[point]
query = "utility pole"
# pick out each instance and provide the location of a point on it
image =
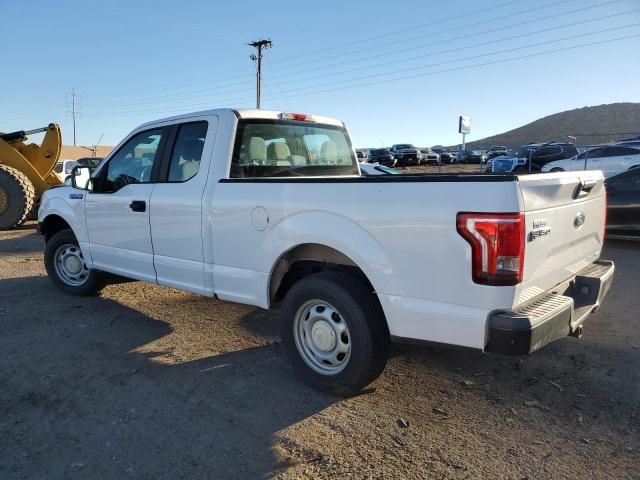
(74, 110)
(260, 45)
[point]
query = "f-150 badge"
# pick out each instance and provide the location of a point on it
(540, 229)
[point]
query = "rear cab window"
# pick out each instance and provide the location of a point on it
(290, 148)
(187, 151)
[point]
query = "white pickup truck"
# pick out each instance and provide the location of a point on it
(269, 209)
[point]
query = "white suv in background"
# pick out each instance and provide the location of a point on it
(611, 159)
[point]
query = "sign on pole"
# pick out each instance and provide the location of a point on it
(464, 124)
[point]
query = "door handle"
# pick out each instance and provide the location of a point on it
(138, 206)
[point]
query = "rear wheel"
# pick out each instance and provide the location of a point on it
(334, 332)
(16, 197)
(557, 169)
(67, 268)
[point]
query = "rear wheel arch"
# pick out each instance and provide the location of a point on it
(307, 259)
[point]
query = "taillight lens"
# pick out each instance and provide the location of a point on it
(497, 246)
(606, 209)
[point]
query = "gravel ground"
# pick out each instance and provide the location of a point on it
(149, 382)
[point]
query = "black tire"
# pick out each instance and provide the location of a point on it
(16, 197)
(557, 169)
(95, 279)
(368, 333)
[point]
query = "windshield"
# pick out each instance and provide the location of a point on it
(279, 148)
(403, 146)
(381, 151)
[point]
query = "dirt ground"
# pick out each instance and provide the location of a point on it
(148, 382)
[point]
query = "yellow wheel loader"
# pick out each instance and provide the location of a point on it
(26, 172)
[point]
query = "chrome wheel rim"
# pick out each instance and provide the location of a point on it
(322, 337)
(69, 265)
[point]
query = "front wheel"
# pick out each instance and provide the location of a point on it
(334, 332)
(66, 267)
(557, 169)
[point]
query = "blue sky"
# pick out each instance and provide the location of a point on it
(395, 72)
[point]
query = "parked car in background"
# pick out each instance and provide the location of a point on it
(496, 151)
(429, 156)
(63, 168)
(383, 156)
(517, 159)
(629, 142)
(406, 154)
(611, 159)
(368, 169)
(623, 206)
(470, 156)
(361, 155)
(445, 155)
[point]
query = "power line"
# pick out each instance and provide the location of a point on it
(398, 32)
(233, 86)
(474, 35)
(377, 65)
(220, 91)
(419, 75)
(275, 76)
(73, 102)
(447, 30)
(554, 4)
(472, 57)
(466, 67)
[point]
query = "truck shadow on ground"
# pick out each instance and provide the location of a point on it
(80, 396)
(92, 388)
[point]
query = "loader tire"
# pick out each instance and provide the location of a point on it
(16, 197)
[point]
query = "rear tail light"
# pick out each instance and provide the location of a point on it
(497, 246)
(606, 208)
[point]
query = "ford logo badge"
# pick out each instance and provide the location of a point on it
(579, 220)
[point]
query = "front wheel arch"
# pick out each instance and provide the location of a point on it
(53, 224)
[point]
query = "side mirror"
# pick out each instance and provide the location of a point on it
(81, 177)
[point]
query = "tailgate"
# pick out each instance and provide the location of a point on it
(565, 217)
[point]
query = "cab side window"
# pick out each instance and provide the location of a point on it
(133, 163)
(187, 152)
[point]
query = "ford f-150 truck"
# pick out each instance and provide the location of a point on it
(269, 209)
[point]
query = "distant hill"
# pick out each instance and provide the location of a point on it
(590, 125)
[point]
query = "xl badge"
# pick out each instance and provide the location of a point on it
(579, 220)
(76, 196)
(540, 229)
